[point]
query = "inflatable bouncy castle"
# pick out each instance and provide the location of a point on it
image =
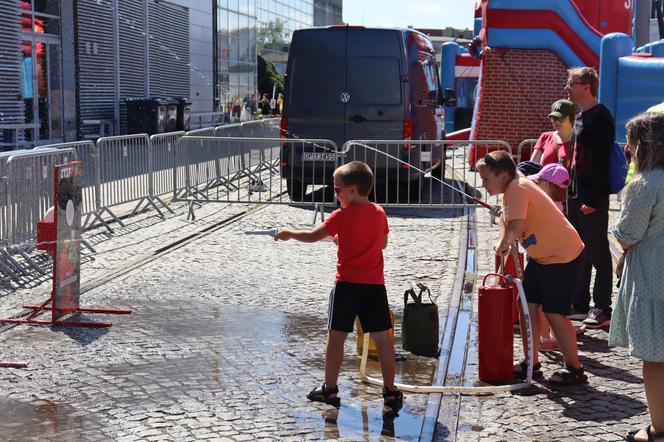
(524, 48)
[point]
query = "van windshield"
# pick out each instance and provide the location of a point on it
(374, 80)
(309, 73)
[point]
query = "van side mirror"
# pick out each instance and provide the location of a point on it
(449, 98)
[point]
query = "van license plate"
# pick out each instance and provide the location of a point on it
(318, 156)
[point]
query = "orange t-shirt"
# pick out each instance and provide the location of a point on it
(548, 238)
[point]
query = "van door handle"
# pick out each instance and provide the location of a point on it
(357, 119)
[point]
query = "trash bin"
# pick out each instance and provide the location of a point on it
(146, 115)
(184, 111)
(172, 115)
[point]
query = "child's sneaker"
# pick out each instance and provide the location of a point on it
(257, 186)
(323, 393)
(597, 318)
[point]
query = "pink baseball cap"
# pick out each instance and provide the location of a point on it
(553, 173)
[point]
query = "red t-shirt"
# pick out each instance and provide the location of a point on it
(552, 151)
(360, 229)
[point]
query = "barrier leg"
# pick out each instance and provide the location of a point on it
(11, 262)
(115, 218)
(162, 203)
(9, 271)
(32, 262)
(88, 246)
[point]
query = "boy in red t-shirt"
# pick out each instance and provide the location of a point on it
(360, 230)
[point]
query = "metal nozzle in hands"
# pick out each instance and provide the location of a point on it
(269, 232)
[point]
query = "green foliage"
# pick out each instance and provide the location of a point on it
(271, 36)
(269, 76)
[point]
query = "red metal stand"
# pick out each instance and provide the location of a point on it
(41, 308)
(13, 364)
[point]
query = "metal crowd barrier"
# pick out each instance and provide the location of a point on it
(28, 193)
(87, 155)
(403, 173)
(241, 170)
(117, 170)
(124, 173)
(524, 143)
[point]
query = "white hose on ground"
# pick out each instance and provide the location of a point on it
(458, 389)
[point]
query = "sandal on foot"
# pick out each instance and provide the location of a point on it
(392, 398)
(521, 370)
(569, 376)
(323, 393)
(631, 436)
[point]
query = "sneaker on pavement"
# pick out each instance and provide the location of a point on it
(597, 318)
(257, 186)
(577, 315)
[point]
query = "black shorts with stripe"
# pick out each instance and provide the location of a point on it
(368, 301)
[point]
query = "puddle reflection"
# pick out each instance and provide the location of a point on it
(41, 417)
(368, 421)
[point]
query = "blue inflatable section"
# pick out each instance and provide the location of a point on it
(477, 26)
(448, 53)
(564, 9)
(656, 48)
(628, 85)
(534, 39)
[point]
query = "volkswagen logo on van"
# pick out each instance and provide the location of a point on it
(345, 97)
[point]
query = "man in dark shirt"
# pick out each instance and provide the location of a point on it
(588, 206)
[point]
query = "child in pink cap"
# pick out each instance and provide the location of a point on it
(553, 179)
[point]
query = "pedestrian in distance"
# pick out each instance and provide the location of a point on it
(236, 109)
(588, 203)
(555, 260)
(639, 307)
(360, 230)
(556, 146)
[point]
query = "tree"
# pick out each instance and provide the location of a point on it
(268, 77)
(271, 36)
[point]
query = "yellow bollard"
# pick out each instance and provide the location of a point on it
(373, 351)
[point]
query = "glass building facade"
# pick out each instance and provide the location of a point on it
(245, 29)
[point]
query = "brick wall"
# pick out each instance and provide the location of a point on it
(518, 88)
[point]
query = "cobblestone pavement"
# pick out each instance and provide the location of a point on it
(612, 403)
(226, 336)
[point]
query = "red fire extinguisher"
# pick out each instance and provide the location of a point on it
(495, 341)
(507, 266)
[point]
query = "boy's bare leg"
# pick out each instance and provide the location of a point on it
(545, 328)
(387, 357)
(564, 331)
(334, 356)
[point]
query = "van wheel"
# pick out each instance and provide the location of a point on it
(296, 189)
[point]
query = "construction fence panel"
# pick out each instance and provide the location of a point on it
(124, 169)
(29, 189)
(247, 172)
(164, 174)
(86, 152)
(421, 173)
(525, 143)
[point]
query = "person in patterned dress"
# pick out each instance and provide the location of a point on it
(638, 318)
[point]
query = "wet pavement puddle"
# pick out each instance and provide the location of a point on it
(227, 361)
(39, 417)
(366, 421)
